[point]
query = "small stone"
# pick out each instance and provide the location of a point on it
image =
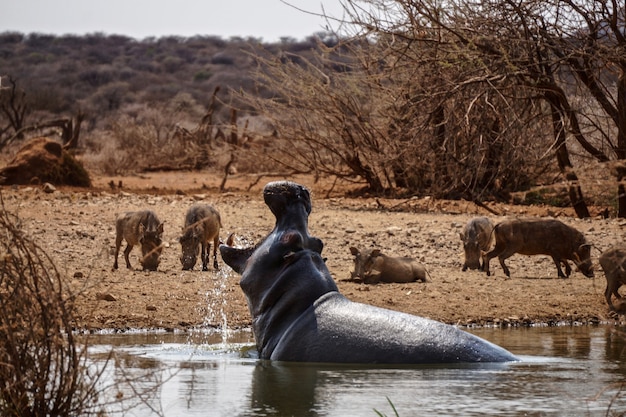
(78, 274)
(392, 230)
(49, 188)
(106, 297)
(151, 308)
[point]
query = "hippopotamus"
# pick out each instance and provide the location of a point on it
(299, 315)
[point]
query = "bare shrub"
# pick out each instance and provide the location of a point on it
(148, 139)
(43, 368)
(400, 121)
(103, 156)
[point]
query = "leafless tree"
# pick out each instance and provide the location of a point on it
(561, 52)
(400, 112)
(456, 98)
(13, 107)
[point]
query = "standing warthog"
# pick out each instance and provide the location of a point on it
(373, 266)
(139, 227)
(202, 225)
(613, 263)
(541, 237)
(477, 237)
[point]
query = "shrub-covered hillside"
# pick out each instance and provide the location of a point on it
(101, 74)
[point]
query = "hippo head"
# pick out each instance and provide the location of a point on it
(284, 274)
(151, 246)
(291, 205)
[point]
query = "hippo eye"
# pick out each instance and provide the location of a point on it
(289, 256)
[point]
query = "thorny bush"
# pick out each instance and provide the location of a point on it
(43, 368)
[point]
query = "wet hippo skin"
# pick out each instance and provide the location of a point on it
(299, 315)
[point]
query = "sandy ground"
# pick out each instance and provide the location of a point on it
(77, 228)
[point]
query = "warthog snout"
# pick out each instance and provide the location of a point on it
(472, 255)
(582, 259)
(151, 248)
(190, 246)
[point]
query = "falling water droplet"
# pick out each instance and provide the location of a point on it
(216, 305)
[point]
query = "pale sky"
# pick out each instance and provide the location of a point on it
(266, 19)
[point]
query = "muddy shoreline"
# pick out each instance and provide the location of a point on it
(76, 228)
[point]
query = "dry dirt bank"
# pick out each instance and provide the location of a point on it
(76, 227)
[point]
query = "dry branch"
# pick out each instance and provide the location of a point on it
(43, 367)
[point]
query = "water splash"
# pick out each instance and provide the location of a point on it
(216, 306)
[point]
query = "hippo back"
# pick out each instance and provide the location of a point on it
(338, 330)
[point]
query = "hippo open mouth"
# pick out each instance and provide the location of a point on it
(291, 205)
(298, 313)
(280, 195)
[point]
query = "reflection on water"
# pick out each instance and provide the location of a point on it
(564, 371)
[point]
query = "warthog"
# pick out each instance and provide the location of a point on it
(541, 237)
(139, 227)
(202, 225)
(613, 262)
(477, 237)
(373, 266)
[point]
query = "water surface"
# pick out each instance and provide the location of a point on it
(577, 371)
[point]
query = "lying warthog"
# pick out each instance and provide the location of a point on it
(477, 237)
(373, 266)
(202, 225)
(613, 263)
(139, 227)
(541, 237)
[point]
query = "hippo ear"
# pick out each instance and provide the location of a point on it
(354, 251)
(236, 258)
